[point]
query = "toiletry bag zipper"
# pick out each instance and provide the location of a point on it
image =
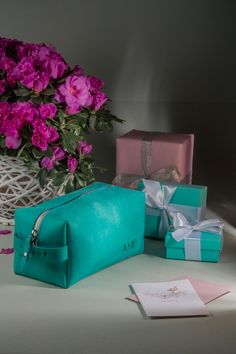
(40, 218)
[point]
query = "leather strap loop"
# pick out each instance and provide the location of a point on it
(57, 254)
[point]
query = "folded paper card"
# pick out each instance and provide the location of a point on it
(207, 291)
(68, 238)
(169, 299)
(163, 200)
(149, 154)
(202, 241)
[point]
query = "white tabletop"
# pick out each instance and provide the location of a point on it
(93, 317)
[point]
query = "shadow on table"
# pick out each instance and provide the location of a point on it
(8, 277)
(154, 247)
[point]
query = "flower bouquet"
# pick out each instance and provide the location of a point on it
(47, 109)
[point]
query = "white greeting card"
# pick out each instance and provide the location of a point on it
(170, 299)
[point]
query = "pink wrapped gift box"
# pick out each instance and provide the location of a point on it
(142, 153)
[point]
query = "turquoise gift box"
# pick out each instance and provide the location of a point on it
(190, 240)
(187, 199)
(210, 247)
(64, 240)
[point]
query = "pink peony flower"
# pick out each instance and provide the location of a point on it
(7, 64)
(10, 129)
(23, 69)
(39, 141)
(72, 164)
(2, 86)
(85, 148)
(72, 109)
(40, 82)
(74, 92)
(40, 127)
(47, 110)
(5, 109)
(36, 81)
(54, 136)
(55, 66)
(42, 51)
(29, 73)
(95, 84)
(24, 50)
(24, 112)
(12, 142)
(99, 99)
(78, 71)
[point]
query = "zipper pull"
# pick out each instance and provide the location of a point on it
(34, 236)
(25, 253)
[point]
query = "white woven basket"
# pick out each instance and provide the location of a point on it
(19, 187)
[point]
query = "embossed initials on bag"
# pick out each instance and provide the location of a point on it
(129, 245)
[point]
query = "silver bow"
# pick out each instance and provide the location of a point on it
(183, 229)
(167, 174)
(159, 196)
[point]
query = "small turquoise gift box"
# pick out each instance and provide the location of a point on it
(196, 242)
(165, 199)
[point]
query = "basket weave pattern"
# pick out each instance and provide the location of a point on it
(19, 187)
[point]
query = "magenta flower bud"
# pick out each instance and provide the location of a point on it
(54, 136)
(85, 148)
(47, 163)
(78, 71)
(58, 153)
(95, 84)
(72, 164)
(12, 142)
(99, 99)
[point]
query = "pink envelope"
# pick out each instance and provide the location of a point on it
(207, 291)
(161, 149)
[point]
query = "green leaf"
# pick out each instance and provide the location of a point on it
(36, 99)
(22, 92)
(69, 141)
(42, 175)
(88, 159)
(26, 156)
(3, 98)
(2, 142)
(20, 151)
(38, 154)
(82, 115)
(92, 121)
(48, 92)
(80, 180)
(70, 185)
(59, 178)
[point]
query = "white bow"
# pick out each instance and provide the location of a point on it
(183, 229)
(159, 196)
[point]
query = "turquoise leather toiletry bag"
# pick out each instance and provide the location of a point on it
(68, 238)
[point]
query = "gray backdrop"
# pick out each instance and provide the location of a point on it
(168, 65)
